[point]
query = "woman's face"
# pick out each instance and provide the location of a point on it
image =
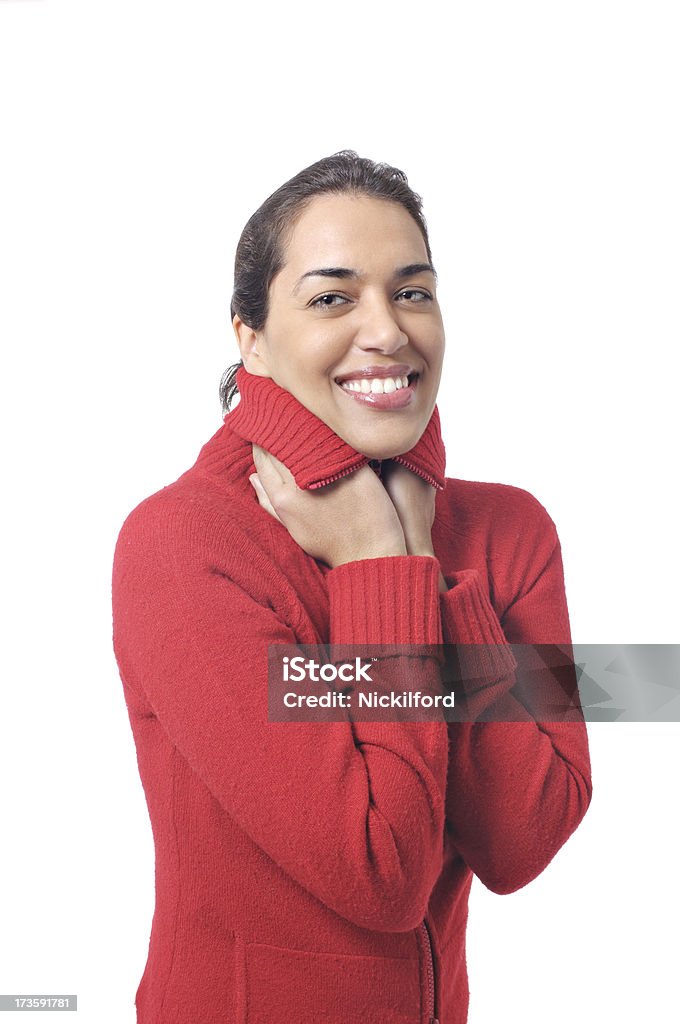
(354, 301)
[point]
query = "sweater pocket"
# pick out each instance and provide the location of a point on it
(279, 984)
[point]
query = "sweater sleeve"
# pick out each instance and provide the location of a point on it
(517, 788)
(352, 811)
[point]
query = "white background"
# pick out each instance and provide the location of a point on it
(137, 137)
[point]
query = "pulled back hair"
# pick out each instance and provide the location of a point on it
(260, 250)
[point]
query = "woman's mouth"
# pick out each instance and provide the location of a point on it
(381, 392)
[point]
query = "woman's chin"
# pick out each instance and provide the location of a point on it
(373, 450)
(376, 439)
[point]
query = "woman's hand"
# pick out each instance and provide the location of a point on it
(414, 501)
(348, 520)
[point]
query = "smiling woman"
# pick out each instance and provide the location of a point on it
(320, 870)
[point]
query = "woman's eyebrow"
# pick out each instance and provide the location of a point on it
(347, 272)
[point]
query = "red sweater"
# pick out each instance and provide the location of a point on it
(312, 872)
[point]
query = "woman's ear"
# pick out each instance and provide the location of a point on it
(250, 345)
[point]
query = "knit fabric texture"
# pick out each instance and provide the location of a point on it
(320, 871)
(313, 453)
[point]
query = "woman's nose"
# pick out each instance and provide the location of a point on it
(379, 328)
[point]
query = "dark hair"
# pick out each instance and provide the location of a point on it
(259, 254)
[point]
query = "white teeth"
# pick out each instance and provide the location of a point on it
(376, 385)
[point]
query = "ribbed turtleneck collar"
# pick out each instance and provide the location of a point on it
(271, 417)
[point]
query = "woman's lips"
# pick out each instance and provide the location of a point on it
(394, 400)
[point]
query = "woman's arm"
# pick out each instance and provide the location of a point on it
(517, 788)
(353, 811)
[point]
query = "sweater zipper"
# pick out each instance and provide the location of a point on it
(331, 479)
(345, 472)
(418, 471)
(429, 972)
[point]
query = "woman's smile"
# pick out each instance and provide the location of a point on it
(380, 388)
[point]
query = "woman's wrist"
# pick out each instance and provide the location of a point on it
(420, 549)
(428, 550)
(393, 551)
(390, 551)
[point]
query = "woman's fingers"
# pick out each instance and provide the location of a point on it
(262, 495)
(269, 468)
(274, 483)
(414, 500)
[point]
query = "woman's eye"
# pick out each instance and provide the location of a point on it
(332, 299)
(326, 301)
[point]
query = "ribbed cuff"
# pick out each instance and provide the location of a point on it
(390, 600)
(470, 622)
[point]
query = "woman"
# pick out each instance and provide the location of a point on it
(320, 871)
